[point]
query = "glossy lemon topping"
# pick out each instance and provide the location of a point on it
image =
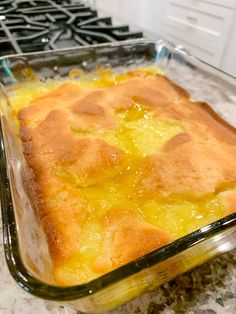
(139, 133)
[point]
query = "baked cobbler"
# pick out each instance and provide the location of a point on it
(122, 164)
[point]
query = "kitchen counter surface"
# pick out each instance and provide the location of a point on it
(209, 289)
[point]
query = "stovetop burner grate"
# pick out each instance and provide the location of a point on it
(38, 25)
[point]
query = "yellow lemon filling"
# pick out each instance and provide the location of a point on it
(139, 133)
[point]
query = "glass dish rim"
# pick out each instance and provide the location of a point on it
(178, 48)
(56, 293)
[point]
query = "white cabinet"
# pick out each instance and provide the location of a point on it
(208, 21)
(200, 26)
(207, 28)
(228, 63)
(224, 3)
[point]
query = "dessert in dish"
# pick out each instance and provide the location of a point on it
(121, 164)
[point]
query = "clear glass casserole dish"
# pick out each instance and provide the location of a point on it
(26, 248)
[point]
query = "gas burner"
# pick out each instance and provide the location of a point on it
(38, 25)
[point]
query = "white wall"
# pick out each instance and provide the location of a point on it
(146, 14)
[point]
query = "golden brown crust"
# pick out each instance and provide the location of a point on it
(229, 200)
(153, 92)
(60, 158)
(52, 148)
(126, 239)
(63, 231)
(92, 112)
(177, 140)
(192, 168)
(61, 145)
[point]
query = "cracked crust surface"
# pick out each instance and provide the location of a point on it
(60, 142)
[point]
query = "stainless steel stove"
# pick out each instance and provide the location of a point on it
(38, 25)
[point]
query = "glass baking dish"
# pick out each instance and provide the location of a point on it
(26, 249)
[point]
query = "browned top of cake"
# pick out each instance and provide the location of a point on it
(62, 142)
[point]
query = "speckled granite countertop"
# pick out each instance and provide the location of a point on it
(209, 289)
